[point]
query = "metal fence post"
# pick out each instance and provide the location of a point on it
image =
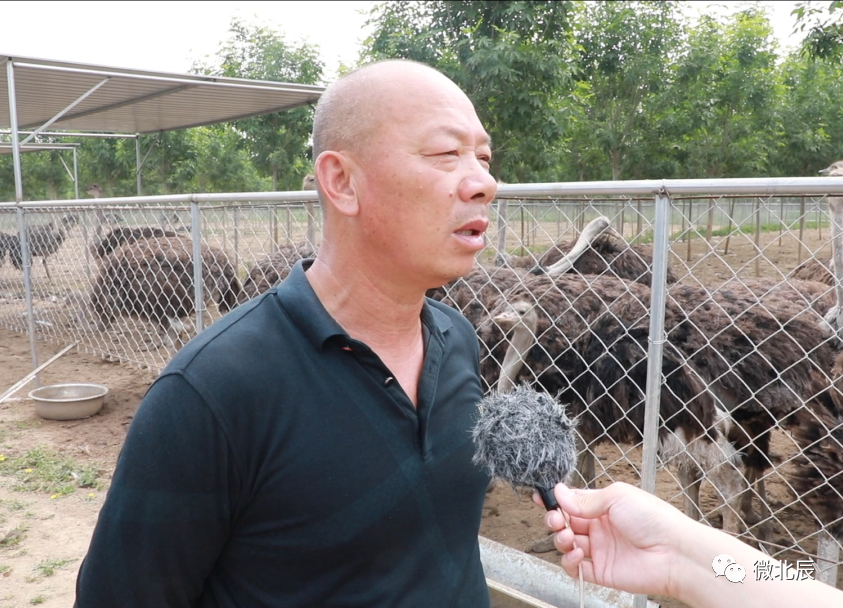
(661, 253)
(198, 280)
(26, 260)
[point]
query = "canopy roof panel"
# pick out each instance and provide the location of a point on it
(134, 101)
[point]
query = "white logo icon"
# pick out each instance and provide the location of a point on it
(735, 573)
(720, 563)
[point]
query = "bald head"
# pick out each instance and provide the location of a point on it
(350, 109)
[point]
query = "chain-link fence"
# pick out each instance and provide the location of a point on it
(686, 325)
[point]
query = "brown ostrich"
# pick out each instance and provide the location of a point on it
(44, 240)
(835, 210)
(478, 291)
(601, 250)
(118, 237)
(153, 280)
(820, 270)
(602, 375)
(273, 268)
(760, 356)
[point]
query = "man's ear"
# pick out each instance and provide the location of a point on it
(336, 175)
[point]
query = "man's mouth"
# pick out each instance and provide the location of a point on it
(473, 228)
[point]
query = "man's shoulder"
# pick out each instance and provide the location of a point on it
(242, 333)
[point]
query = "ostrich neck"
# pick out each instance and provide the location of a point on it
(523, 338)
(835, 205)
(567, 262)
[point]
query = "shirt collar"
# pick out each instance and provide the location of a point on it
(296, 296)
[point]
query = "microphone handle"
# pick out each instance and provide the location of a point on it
(548, 498)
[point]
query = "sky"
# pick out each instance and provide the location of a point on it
(170, 36)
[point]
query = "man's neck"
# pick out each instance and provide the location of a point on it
(370, 310)
(388, 322)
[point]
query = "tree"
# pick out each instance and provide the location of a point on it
(214, 162)
(511, 58)
(725, 96)
(810, 115)
(623, 67)
(276, 143)
(824, 37)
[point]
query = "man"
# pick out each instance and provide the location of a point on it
(312, 448)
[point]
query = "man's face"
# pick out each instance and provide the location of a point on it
(426, 187)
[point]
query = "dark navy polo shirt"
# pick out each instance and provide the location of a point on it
(276, 462)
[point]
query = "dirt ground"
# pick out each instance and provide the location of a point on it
(39, 529)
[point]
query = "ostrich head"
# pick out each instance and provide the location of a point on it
(833, 170)
(593, 229)
(309, 182)
(94, 190)
(522, 319)
(68, 221)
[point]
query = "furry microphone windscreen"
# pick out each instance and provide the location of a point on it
(526, 438)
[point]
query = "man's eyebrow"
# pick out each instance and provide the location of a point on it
(462, 133)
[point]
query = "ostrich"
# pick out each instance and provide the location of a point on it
(272, 269)
(152, 279)
(760, 357)
(44, 240)
(7, 243)
(553, 344)
(476, 292)
(96, 191)
(815, 269)
(835, 208)
(120, 236)
(598, 249)
(817, 479)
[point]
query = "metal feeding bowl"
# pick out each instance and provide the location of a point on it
(68, 401)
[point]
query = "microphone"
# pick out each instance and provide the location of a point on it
(526, 439)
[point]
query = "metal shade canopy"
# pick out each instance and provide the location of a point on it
(71, 96)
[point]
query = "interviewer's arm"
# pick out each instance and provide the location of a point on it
(638, 543)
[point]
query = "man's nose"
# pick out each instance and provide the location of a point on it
(479, 186)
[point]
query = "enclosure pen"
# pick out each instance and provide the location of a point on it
(676, 231)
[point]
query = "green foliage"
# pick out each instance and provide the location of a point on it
(823, 29)
(276, 144)
(625, 52)
(725, 96)
(810, 115)
(568, 90)
(513, 59)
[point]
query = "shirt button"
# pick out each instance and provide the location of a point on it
(388, 381)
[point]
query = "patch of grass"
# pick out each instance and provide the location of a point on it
(4, 569)
(27, 424)
(14, 537)
(41, 470)
(38, 599)
(49, 566)
(13, 505)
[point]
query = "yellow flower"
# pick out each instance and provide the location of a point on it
(2, 457)
(91, 495)
(54, 496)
(27, 470)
